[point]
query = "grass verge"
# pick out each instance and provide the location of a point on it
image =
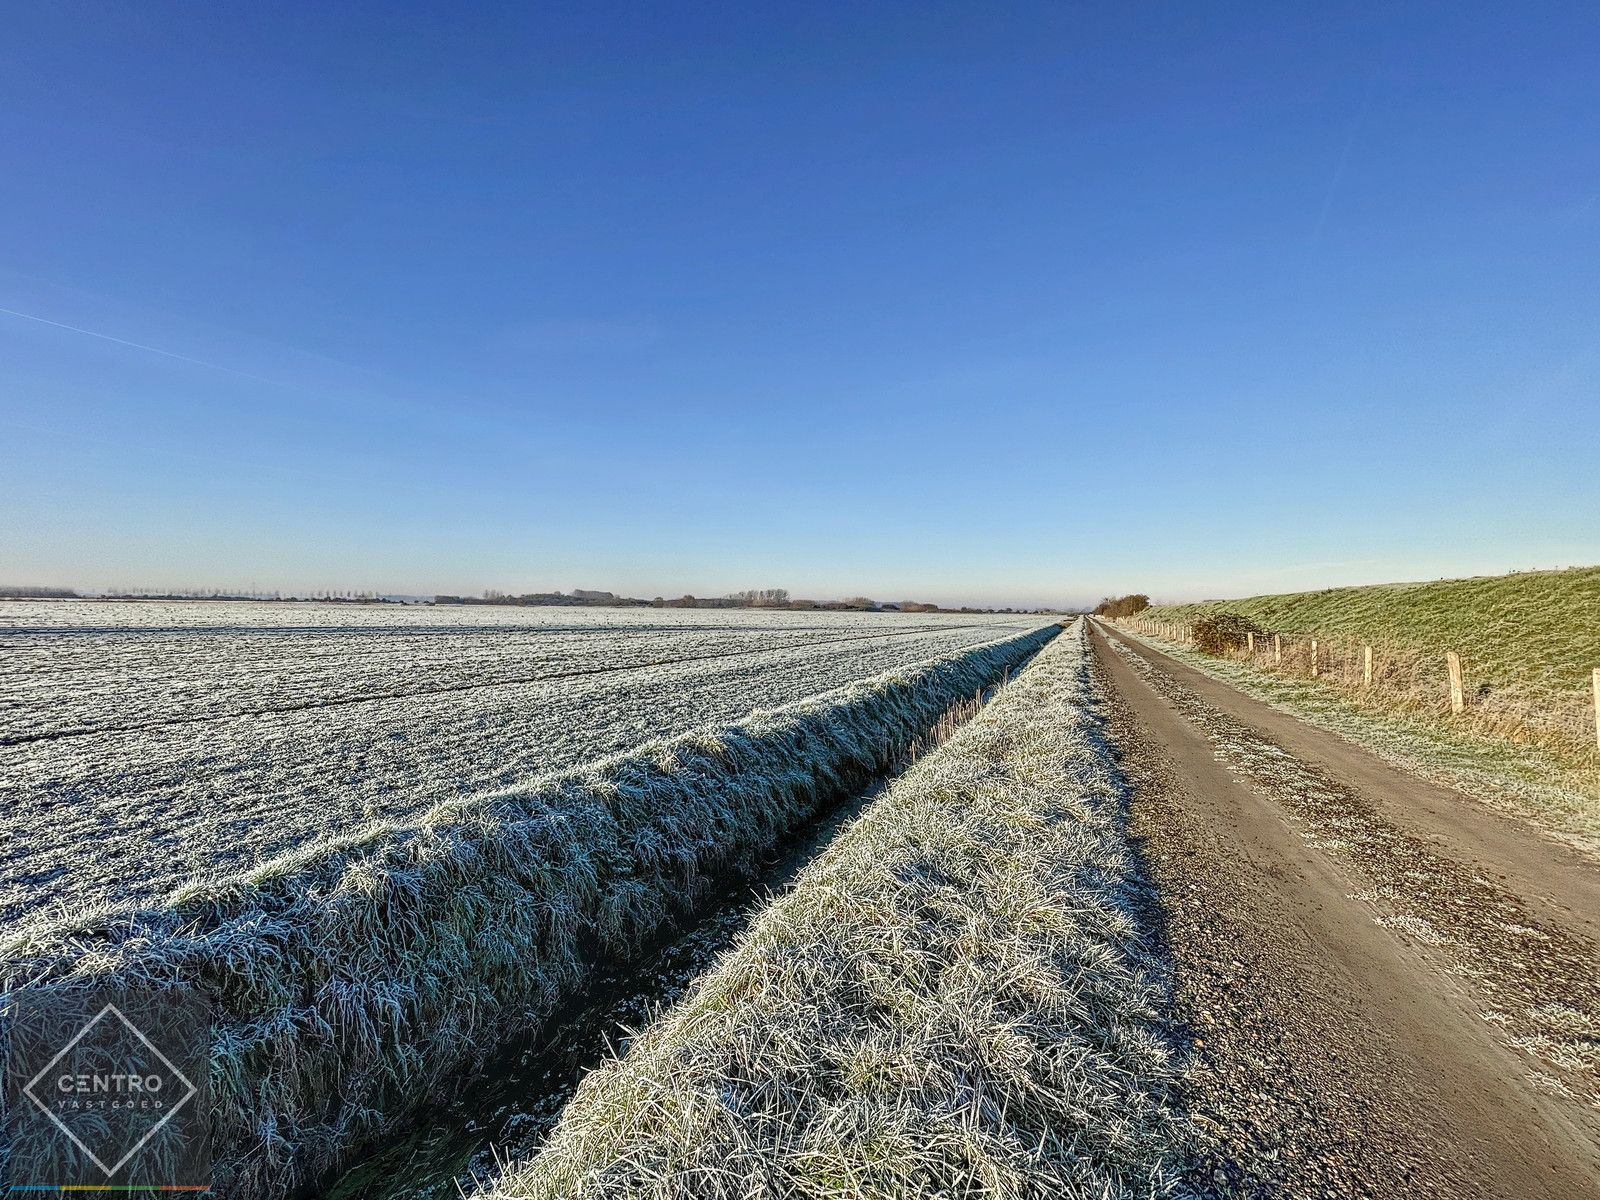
(954, 1000)
(353, 979)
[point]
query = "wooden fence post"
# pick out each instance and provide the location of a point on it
(1277, 650)
(1366, 666)
(1250, 644)
(1458, 696)
(1313, 657)
(1597, 706)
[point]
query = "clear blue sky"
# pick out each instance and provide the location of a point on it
(1007, 303)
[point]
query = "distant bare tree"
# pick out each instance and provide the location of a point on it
(762, 597)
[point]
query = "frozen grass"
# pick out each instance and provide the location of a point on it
(427, 705)
(80, 665)
(354, 979)
(954, 1000)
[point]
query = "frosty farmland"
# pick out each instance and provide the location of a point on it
(146, 744)
(213, 838)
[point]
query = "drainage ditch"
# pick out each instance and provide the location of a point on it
(503, 1114)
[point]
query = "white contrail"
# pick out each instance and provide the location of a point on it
(1333, 184)
(106, 337)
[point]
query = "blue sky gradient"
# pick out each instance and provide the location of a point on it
(1003, 303)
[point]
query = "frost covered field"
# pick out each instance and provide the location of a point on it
(145, 743)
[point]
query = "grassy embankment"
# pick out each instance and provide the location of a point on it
(359, 979)
(953, 1000)
(1528, 644)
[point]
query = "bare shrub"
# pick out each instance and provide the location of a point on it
(1223, 633)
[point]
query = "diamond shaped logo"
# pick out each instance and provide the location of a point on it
(115, 1084)
(123, 1085)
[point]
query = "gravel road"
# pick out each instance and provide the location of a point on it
(1384, 989)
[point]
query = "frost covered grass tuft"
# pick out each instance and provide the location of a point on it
(953, 1000)
(358, 978)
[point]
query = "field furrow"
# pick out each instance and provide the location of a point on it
(207, 790)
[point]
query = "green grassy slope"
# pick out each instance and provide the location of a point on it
(1539, 628)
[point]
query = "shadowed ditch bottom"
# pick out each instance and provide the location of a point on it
(506, 1113)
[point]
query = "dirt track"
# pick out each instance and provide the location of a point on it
(1385, 989)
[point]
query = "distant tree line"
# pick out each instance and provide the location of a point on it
(762, 598)
(1122, 606)
(750, 598)
(577, 598)
(323, 596)
(37, 593)
(320, 596)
